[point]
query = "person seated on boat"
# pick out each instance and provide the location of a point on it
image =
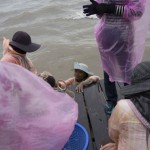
(15, 51)
(82, 77)
(49, 78)
(33, 116)
(129, 124)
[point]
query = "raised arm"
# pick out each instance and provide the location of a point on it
(132, 10)
(91, 79)
(66, 83)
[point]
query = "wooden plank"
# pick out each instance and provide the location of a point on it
(83, 116)
(95, 105)
(102, 88)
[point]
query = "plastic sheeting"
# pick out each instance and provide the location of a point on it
(32, 115)
(121, 39)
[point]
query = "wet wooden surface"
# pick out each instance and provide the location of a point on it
(91, 113)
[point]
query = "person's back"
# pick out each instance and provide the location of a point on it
(129, 124)
(126, 129)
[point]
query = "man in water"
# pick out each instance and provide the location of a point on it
(82, 77)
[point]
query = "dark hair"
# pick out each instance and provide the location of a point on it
(17, 49)
(86, 76)
(51, 80)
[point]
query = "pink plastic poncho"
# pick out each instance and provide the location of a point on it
(32, 115)
(121, 39)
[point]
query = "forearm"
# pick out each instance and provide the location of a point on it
(132, 10)
(87, 82)
(69, 81)
(90, 80)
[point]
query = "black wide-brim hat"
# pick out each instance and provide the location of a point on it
(140, 80)
(22, 40)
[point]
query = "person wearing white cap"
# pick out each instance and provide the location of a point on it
(82, 77)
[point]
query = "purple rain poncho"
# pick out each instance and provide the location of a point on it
(121, 39)
(32, 115)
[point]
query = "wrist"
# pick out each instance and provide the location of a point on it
(111, 8)
(119, 10)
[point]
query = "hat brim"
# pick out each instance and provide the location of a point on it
(89, 73)
(136, 88)
(26, 48)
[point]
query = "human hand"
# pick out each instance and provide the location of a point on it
(79, 87)
(5, 45)
(61, 85)
(99, 9)
(90, 9)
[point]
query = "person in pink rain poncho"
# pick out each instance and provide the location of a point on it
(32, 115)
(120, 35)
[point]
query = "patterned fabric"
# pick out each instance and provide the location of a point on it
(119, 10)
(121, 37)
(126, 130)
(142, 103)
(138, 115)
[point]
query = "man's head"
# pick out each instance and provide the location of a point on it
(48, 78)
(80, 75)
(81, 72)
(21, 42)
